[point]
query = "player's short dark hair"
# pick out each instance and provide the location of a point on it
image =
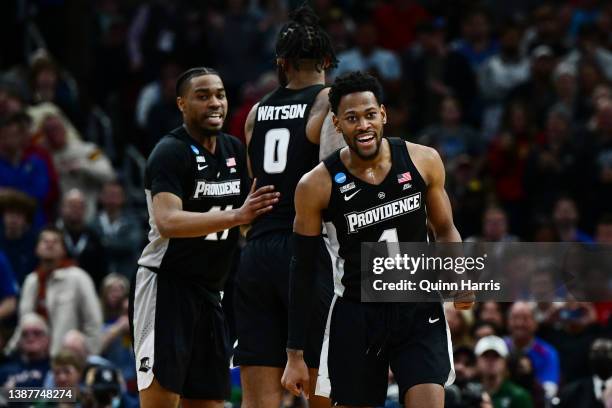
(353, 82)
(186, 76)
(303, 38)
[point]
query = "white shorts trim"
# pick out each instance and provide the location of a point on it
(323, 387)
(145, 299)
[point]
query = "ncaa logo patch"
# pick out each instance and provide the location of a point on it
(340, 178)
(195, 149)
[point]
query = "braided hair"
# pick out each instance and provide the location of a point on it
(303, 38)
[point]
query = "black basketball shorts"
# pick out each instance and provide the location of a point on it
(363, 340)
(180, 337)
(261, 302)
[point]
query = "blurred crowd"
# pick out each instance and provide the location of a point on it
(515, 96)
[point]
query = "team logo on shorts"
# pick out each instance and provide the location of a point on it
(340, 178)
(144, 365)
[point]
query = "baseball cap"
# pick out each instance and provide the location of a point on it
(98, 378)
(491, 343)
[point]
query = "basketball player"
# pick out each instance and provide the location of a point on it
(285, 140)
(364, 339)
(196, 184)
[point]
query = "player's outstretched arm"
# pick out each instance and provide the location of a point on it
(439, 211)
(173, 222)
(311, 198)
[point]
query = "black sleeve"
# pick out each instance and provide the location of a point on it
(168, 166)
(302, 284)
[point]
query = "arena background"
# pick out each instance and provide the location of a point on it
(515, 96)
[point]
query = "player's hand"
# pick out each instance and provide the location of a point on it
(464, 299)
(258, 202)
(295, 378)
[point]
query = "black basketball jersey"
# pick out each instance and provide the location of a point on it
(393, 211)
(280, 153)
(205, 182)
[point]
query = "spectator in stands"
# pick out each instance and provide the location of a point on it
(491, 362)
(120, 232)
(8, 291)
(566, 217)
(544, 358)
(47, 84)
(17, 236)
(494, 227)
(546, 30)
(68, 370)
(30, 364)
(522, 374)
(82, 242)
(151, 93)
(451, 137)
(552, 167)
(538, 91)
(163, 113)
(433, 71)
(598, 161)
(588, 392)
(476, 43)
(28, 175)
(572, 330)
(499, 74)
(588, 47)
(79, 164)
(491, 312)
(62, 292)
(367, 56)
(507, 159)
(11, 99)
(567, 93)
(116, 341)
(603, 230)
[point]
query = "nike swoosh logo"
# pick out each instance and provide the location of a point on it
(202, 167)
(348, 197)
(434, 320)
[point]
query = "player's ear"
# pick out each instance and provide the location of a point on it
(336, 123)
(180, 103)
(383, 113)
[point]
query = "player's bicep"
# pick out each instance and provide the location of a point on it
(439, 211)
(310, 200)
(164, 206)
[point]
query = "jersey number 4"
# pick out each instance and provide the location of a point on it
(275, 150)
(219, 235)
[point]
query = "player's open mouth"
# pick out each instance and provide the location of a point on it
(214, 118)
(366, 140)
